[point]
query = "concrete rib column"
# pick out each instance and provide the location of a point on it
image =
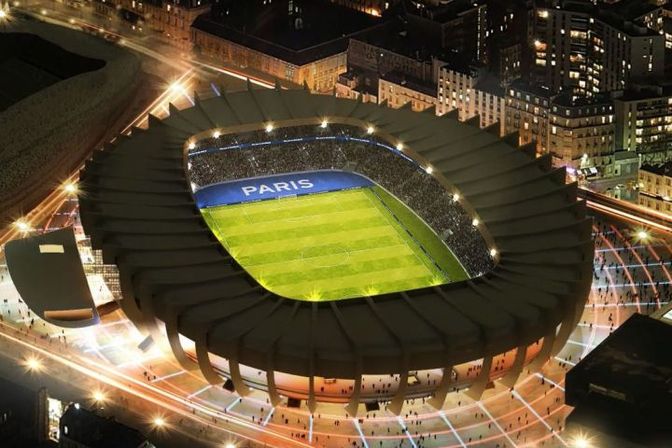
(353, 405)
(173, 335)
(545, 352)
(518, 363)
(273, 394)
(236, 377)
(203, 358)
(442, 391)
(398, 401)
(476, 390)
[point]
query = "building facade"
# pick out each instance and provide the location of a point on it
(644, 122)
(578, 49)
(319, 74)
(472, 92)
(173, 18)
(527, 111)
(398, 90)
(581, 133)
(655, 187)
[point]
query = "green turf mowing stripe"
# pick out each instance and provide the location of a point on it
(327, 246)
(436, 249)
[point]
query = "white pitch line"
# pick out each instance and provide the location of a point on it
(405, 429)
(268, 417)
(548, 380)
(361, 433)
(492, 419)
(199, 391)
(536, 414)
(170, 375)
(452, 428)
(564, 360)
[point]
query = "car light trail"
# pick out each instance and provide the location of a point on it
(147, 392)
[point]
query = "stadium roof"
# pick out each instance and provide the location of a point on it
(48, 274)
(138, 208)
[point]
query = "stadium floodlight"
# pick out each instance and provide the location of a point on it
(324, 124)
(191, 146)
(400, 146)
(493, 252)
(370, 130)
(269, 127)
(475, 222)
(3, 14)
(216, 134)
(429, 169)
(642, 235)
(456, 197)
(229, 445)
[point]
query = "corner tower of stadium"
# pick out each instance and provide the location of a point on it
(312, 247)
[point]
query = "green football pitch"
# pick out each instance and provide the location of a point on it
(335, 245)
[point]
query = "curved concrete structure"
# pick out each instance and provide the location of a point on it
(138, 208)
(47, 272)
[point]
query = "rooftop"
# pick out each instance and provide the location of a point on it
(316, 30)
(664, 169)
(443, 12)
(396, 38)
(533, 89)
(568, 100)
(91, 429)
(399, 78)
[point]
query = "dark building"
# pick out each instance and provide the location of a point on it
(374, 54)
(23, 417)
(506, 38)
(459, 25)
(300, 42)
(623, 387)
(81, 428)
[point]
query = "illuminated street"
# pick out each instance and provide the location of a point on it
(141, 368)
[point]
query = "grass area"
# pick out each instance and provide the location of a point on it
(332, 246)
(424, 235)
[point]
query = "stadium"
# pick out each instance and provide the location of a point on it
(327, 250)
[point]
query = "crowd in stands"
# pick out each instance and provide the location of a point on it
(229, 157)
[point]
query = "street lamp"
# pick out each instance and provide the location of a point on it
(642, 235)
(159, 422)
(70, 187)
(33, 364)
(22, 225)
(99, 397)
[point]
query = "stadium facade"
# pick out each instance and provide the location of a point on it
(138, 205)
